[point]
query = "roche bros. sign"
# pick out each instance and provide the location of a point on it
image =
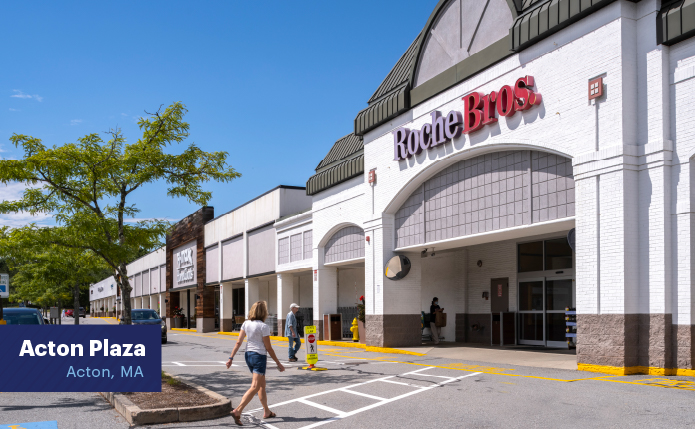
(478, 110)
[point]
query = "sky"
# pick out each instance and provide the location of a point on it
(273, 83)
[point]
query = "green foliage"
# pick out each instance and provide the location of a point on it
(88, 186)
(44, 272)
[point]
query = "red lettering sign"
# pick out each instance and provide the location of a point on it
(311, 338)
(478, 111)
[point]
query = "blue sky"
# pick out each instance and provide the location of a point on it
(273, 83)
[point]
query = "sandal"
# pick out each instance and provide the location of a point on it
(237, 419)
(271, 416)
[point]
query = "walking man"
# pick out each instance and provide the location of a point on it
(292, 333)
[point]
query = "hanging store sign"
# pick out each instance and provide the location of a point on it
(479, 110)
(184, 260)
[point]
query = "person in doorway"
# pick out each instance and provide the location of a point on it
(434, 309)
(292, 332)
(257, 348)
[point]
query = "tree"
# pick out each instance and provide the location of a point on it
(88, 186)
(46, 272)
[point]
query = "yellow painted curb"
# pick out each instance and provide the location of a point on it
(183, 329)
(396, 351)
(632, 370)
(345, 344)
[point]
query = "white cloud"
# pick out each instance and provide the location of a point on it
(15, 191)
(124, 114)
(14, 110)
(75, 121)
(20, 94)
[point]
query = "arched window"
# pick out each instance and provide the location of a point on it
(487, 193)
(345, 244)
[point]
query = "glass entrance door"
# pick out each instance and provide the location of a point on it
(531, 312)
(542, 304)
(559, 294)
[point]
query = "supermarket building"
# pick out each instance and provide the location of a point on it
(526, 157)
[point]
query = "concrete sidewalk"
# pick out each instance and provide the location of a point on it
(511, 355)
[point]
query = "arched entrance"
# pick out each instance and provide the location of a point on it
(489, 236)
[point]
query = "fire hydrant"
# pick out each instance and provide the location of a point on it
(355, 331)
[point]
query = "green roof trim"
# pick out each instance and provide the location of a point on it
(341, 149)
(675, 22)
(387, 108)
(336, 174)
(546, 17)
(399, 75)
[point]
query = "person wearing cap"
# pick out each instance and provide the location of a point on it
(292, 333)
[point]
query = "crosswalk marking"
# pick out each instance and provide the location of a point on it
(380, 401)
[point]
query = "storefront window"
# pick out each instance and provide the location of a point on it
(531, 257)
(558, 254)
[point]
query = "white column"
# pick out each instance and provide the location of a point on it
(285, 292)
(252, 294)
(392, 307)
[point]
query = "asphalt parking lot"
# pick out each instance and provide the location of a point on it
(378, 390)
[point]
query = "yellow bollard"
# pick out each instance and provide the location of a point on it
(355, 331)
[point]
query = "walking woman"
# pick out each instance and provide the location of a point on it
(257, 345)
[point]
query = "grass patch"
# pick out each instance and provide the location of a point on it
(169, 380)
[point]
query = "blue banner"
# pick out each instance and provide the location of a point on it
(35, 425)
(96, 358)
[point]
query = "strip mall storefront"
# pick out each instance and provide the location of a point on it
(531, 160)
(506, 133)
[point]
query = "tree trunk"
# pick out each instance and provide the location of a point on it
(125, 294)
(76, 303)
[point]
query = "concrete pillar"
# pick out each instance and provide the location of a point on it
(325, 295)
(251, 294)
(226, 307)
(683, 228)
(607, 259)
(205, 309)
(285, 292)
(392, 307)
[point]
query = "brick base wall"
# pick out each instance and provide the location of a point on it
(393, 330)
(634, 341)
(682, 345)
(319, 328)
(226, 325)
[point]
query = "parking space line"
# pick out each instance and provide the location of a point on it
(364, 395)
(324, 393)
(321, 407)
(404, 384)
(384, 402)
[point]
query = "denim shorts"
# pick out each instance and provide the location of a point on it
(256, 362)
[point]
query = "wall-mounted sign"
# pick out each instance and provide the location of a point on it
(184, 264)
(4, 285)
(595, 88)
(397, 267)
(479, 110)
